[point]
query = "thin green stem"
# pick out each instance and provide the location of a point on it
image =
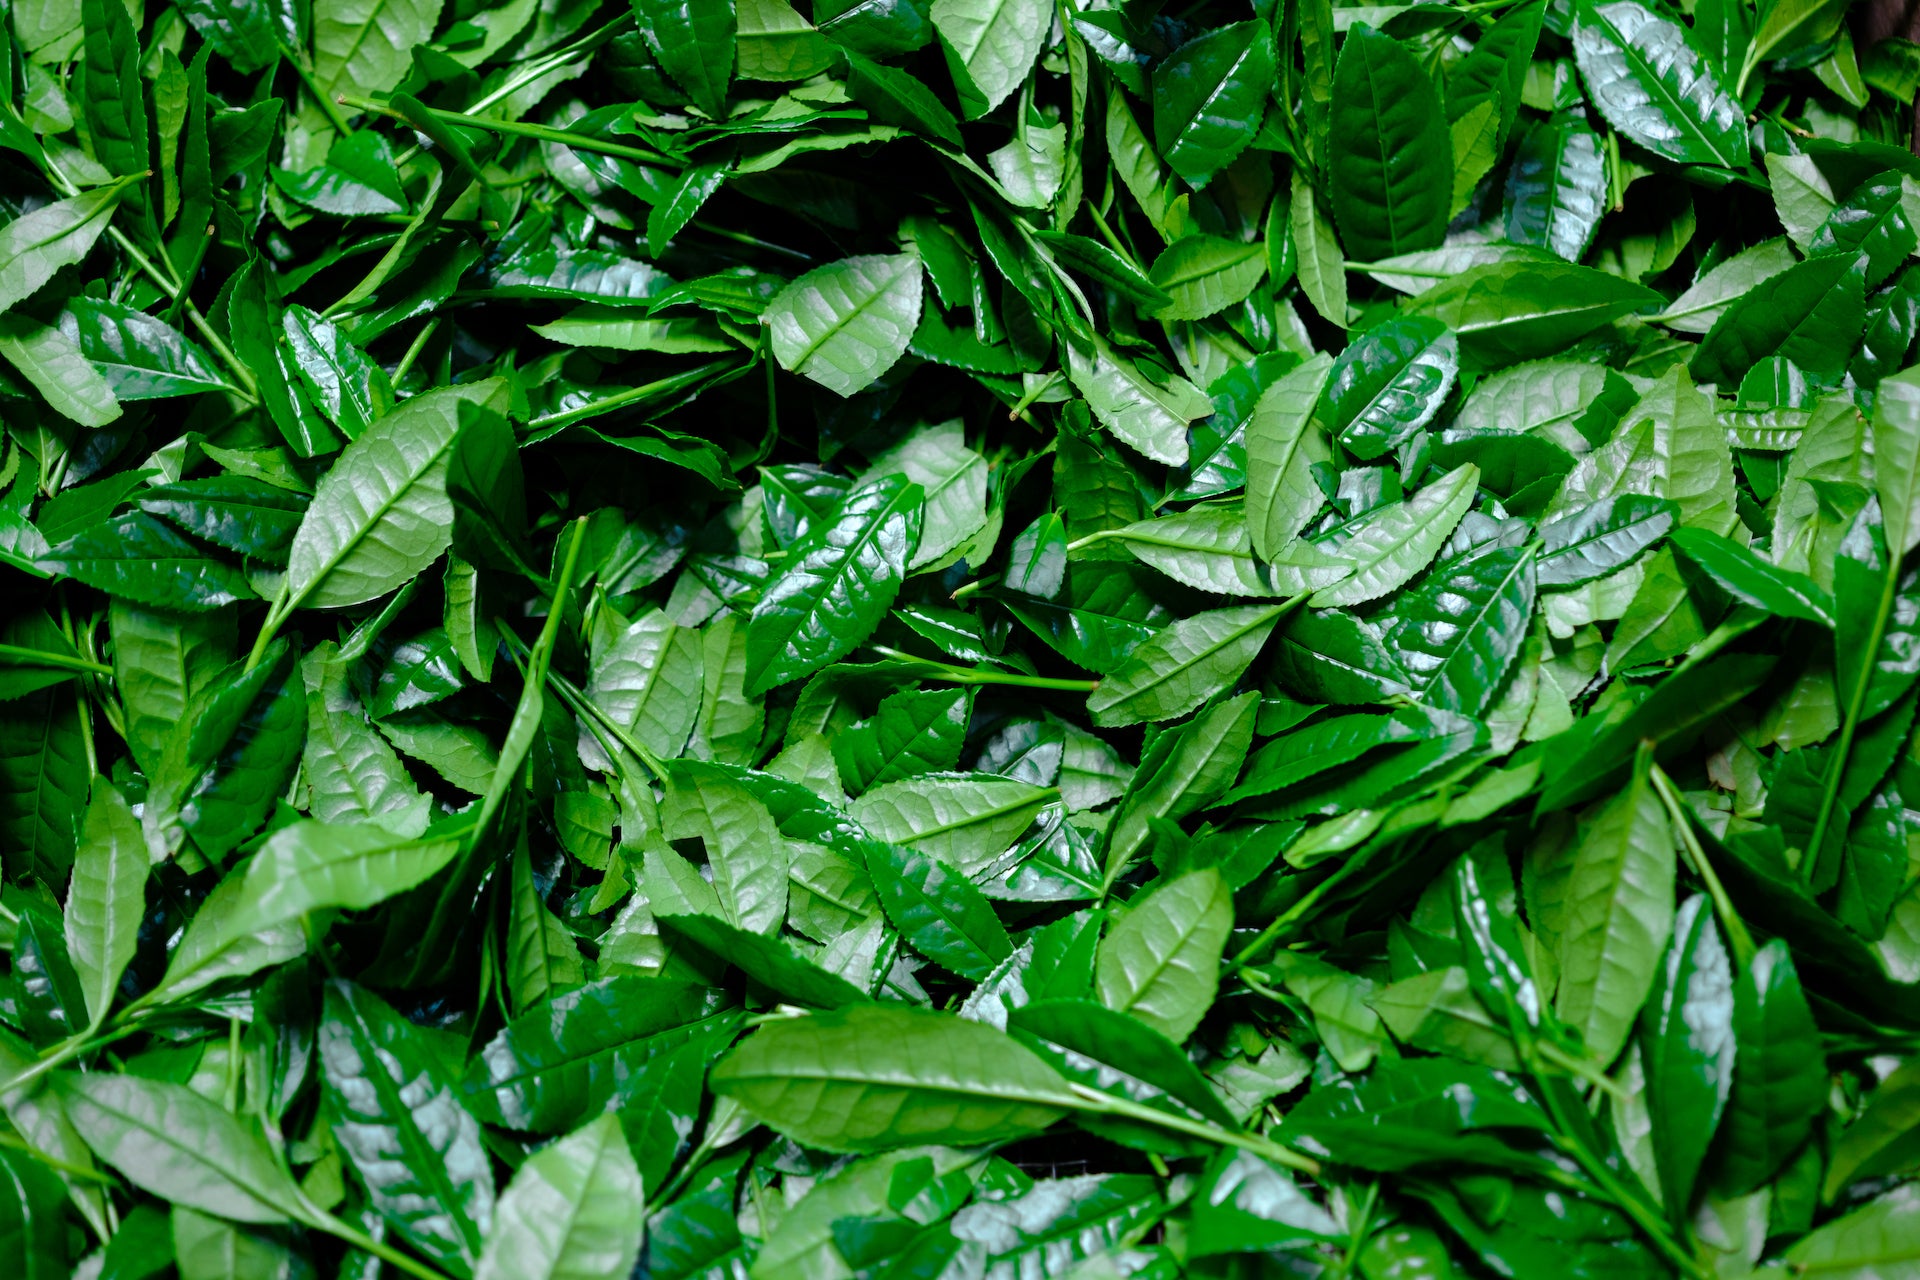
(1094, 1100)
(1580, 1067)
(971, 675)
(634, 395)
(1856, 699)
(277, 613)
(414, 349)
(741, 237)
(176, 292)
(966, 589)
(1106, 233)
(1623, 1198)
(1285, 920)
(1736, 928)
(515, 128)
(313, 88)
(41, 658)
(360, 1240)
(1038, 389)
(581, 705)
(1357, 1231)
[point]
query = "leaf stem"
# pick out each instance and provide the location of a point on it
(313, 87)
(1743, 948)
(973, 675)
(1040, 388)
(276, 614)
(1856, 700)
(22, 656)
(741, 237)
(176, 292)
(606, 404)
(514, 128)
(1635, 1207)
(571, 694)
(1094, 1100)
(367, 1244)
(414, 349)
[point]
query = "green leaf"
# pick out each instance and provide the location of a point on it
(1208, 547)
(1386, 547)
(398, 1119)
(1651, 81)
(1687, 1045)
(1185, 770)
(173, 1143)
(990, 45)
(138, 558)
(314, 866)
(1874, 221)
(1209, 97)
(1696, 310)
(1876, 1238)
(1392, 157)
(359, 178)
(1779, 1070)
(1751, 580)
(1161, 961)
(1895, 432)
(953, 479)
(381, 515)
(836, 586)
(344, 382)
(645, 677)
(775, 43)
(1247, 1205)
(1144, 407)
(876, 1077)
(161, 661)
(55, 367)
(1284, 441)
(354, 775)
(1107, 1050)
(745, 852)
(1612, 914)
(1505, 312)
(1322, 263)
(572, 1209)
(1459, 633)
(911, 733)
(965, 820)
(140, 357)
(1388, 384)
(43, 775)
(365, 46)
(1556, 189)
(845, 324)
(212, 950)
(1203, 274)
(542, 960)
(1597, 538)
(1183, 665)
(113, 103)
(107, 899)
(938, 911)
(1812, 314)
(554, 1066)
(228, 759)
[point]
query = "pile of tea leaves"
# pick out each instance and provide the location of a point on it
(959, 640)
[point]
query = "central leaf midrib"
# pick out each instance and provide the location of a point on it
(367, 526)
(860, 309)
